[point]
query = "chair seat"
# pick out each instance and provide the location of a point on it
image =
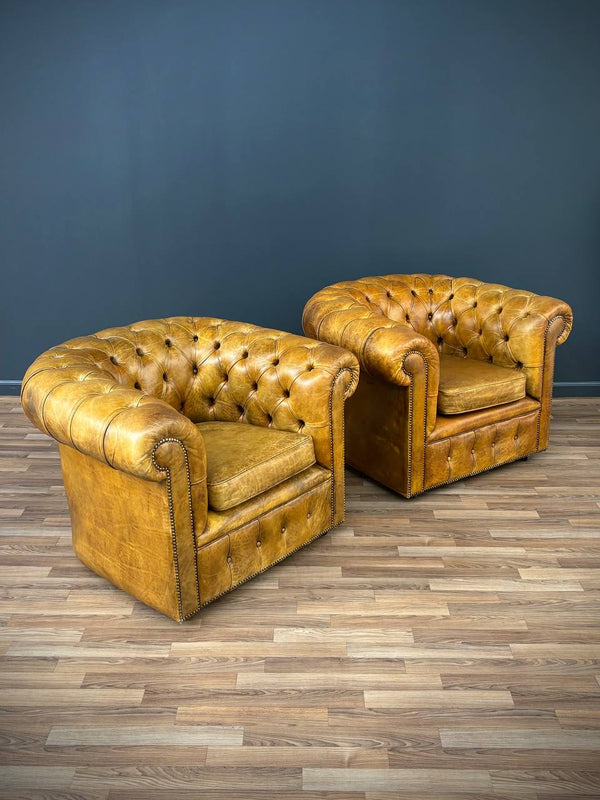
(470, 385)
(245, 460)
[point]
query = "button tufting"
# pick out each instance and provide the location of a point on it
(275, 362)
(164, 376)
(136, 385)
(217, 345)
(114, 361)
(308, 515)
(430, 315)
(283, 529)
(139, 351)
(168, 342)
(472, 452)
(475, 304)
(196, 338)
(301, 423)
(286, 393)
(412, 291)
(451, 297)
(500, 310)
(241, 409)
(211, 401)
(454, 321)
(229, 560)
(519, 365)
(388, 294)
(491, 359)
(195, 369)
(269, 419)
(259, 543)
(407, 318)
(310, 368)
(430, 291)
(255, 387)
(506, 338)
(440, 340)
(245, 354)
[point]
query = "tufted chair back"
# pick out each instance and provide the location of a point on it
(460, 316)
(205, 368)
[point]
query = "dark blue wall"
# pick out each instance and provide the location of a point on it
(231, 157)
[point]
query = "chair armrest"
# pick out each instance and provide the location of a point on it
(77, 403)
(388, 351)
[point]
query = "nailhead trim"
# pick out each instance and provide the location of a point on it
(558, 316)
(268, 566)
(410, 419)
(478, 472)
(331, 444)
(172, 522)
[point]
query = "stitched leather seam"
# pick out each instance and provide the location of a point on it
(287, 450)
(271, 486)
(432, 442)
(172, 523)
(264, 514)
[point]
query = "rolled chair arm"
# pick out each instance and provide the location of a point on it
(84, 407)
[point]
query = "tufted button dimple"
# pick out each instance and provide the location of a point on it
(164, 376)
(475, 304)
(254, 386)
(196, 338)
(114, 361)
(217, 345)
(195, 369)
(168, 342)
(430, 291)
(229, 560)
(301, 423)
(412, 291)
(481, 331)
(245, 354)
(283, 528)
(139, 351)
(259, 543)
(308, 515)
(407, 318)
(388, 294)
(241, 409)
(269, 419)
(211, 401)
(430, 315)
(516, 436)
(519, 365)
(472, 452)
(136, 385)
(500, 310)
(310, 367)
(286, 393)
(275, 362)
(506, 338)
(440, 340)
(454, 321)
(451, 297)
(491, 359)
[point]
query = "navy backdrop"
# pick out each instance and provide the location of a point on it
(231, 157)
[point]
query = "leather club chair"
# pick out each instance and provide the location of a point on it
(195, 452)
(456, 374)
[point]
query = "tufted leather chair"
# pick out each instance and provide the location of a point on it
(456, 374)
(196, 452)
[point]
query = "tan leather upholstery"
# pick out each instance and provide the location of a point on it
(124, 405)
(245, 460)
(470, 385)
(401, 327)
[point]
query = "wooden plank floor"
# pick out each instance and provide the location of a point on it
(444, 647)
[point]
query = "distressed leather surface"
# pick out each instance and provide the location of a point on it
(243, 461)
(123, 404)
(470, 385)
(399, 327)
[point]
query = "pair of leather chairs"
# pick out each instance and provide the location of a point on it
(197, 452)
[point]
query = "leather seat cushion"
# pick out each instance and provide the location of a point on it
(469, 385)
(245, 460)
